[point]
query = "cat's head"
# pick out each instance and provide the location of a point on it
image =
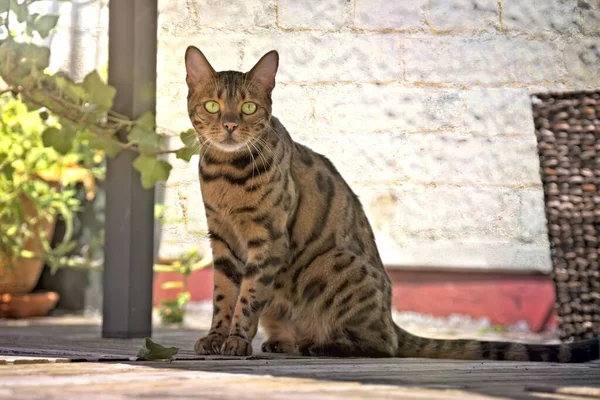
(229, 109)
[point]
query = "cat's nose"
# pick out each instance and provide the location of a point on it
(230, 126)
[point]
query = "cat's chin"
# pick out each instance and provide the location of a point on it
(230, 145)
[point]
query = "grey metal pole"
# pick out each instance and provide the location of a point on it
(129, 230)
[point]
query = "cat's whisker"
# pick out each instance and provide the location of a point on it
(271, 129)
(207, 144)
(260, 154)
(268, 146)
(253, 164)
(197, 148)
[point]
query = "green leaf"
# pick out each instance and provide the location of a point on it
(60, 140)
(76, 92)
(44, 24)
(108, 145)
(30, 81)
(159, 210)
(183, 299)
(154, 351)
(30, 27)
(99, 92)
(152, 170)
(147, 140)
(36, 56)
(192, 145)
(93, 113)
(172, 285)
(144, 135)
(146, 121)
(171, 313)
(163, 268)
(103, 71)
(185, 154)
(189, 138)
(20, 10)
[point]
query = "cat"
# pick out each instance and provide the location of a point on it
(292, 246)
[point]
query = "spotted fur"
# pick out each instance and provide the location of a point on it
(291, 243)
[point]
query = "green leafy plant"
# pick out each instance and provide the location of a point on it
(38, 184)
(84, 109)
(173, 311)
(56, 134)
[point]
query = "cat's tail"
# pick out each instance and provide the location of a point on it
(575, 352)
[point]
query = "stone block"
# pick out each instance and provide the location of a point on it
(313, 14)
(466, 254)
(582, 60)
(498, 111)
(464, 159)
(223, 54)
(182, 17)
(550, 18)
(481, 60)
(326, 57)
(446, 212)
(391, 15)
(386, 108)
(393, 108)
(532, 219)
(589, 11)
(463, 15)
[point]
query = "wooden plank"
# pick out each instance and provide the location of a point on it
(162, 380)
(388, 378)
(569, 390)
(36, 382)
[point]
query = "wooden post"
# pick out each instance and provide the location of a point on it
(129, 237)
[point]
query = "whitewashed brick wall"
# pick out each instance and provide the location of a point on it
(422, 105)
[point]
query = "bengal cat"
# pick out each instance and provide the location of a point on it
(292, 246)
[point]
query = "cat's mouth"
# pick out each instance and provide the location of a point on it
(229, 144)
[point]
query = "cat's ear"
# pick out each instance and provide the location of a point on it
(265, 69)
(197, 67)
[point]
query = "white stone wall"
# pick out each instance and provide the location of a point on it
(423, 106)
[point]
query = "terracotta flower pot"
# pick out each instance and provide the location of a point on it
(27, 305)
(22, 277)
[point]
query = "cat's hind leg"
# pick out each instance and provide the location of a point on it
(281, 335)
(351, 343)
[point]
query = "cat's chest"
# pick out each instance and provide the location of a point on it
(231, 202)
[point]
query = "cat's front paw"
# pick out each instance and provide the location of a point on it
(236, 346)
(210, 344)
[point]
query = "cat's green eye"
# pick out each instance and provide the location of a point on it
(249, 108)
(212, 106)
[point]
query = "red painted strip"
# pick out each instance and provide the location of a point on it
(503, 298)
(200, 285)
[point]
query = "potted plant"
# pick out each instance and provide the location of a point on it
(74, 122)
(37, 186)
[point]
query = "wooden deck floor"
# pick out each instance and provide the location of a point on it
(72, 361)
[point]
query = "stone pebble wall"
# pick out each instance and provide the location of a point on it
(424, 107)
